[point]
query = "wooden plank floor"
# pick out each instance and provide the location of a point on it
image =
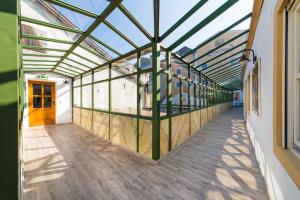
(64, 162)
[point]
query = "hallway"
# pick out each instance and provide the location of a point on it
(218, 162)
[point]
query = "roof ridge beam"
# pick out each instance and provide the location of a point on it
(203, 23)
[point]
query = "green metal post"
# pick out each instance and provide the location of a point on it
(9, 101)
(138, 105)
(156, 102)
(169, 97)
(109, 102)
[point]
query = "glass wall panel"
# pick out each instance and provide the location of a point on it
(192, 95)
(146, 59)
(178, 67)
(77, 97)
(124, 95)
(101, 96)
(87, 96)
(185, 96)
(86, 79)
(175, 95)
(146, 94)
(163, 93)
(101, 74)
(124, 66)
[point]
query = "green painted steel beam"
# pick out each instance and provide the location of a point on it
(203, 23)
(156, 7)
(105, 45)
(220, 68)
(73, 8)
(227, 82)
(80, 64)
(10, 100)
(35, 37)
(222, 80)
(217, 35)
(55, 26)
(28, 60)
(232, 63)
(38, 65)
(223, 70)
(226, 73)
(183, 19)
(234, 73)
(67, 71)
(224, 53)
(72, 66)
(104, 57)
(135, 21)
(91, 28)
(118, 32)
(220, 46)
(63, 73)
(84, 58)
(156, 101)
(40, 55)
(42, 48)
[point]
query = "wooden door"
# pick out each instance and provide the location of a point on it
(41, 103)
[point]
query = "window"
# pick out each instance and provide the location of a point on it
(178, 71)
(293, 77)
(178, 84)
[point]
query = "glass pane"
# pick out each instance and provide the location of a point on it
(125, 66)
(101, 98)
(185, 95)
(146, 94)
(76, 82)
(37, 102)
(87, 79)
(192, 95)
(87, 96)
(175, 95)
(77, 97)
(101, 74)
(178, 67)
(94, 6)
(48, 90)
(146, 59)
(47, 102)
(124, 95)
(163, 93)
(37, 89)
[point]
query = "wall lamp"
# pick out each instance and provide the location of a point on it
(244, 60)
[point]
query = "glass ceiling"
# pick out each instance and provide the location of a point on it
(209, 34)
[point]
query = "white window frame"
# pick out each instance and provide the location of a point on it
(293, 112)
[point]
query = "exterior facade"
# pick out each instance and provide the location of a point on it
(279, 163)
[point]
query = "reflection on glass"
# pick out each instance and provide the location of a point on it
(163, 93)
(37, 102)
(125, 66)
(37, 89)
(101, 98)
(146, 59)
(48, 90)
(47, 102)
(178, 67)
(124, 95)
(175, 95)
(146, 94)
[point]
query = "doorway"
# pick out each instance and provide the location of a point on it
(41, 103)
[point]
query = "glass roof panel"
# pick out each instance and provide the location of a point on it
(142, 11)
(67, 62)
(171, 11)
(48, 53)
(45, 44)
(94, 6)
(53, 14)
(66, 71)
(36, 58)
(106, 35)
(91, 56)
(38, 67)
(122, 23)
(38, 63)
(240, 9)
(63, 72)
(81, 60)
(73, 69)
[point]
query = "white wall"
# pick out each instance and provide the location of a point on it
(279, 184)
(63, 97)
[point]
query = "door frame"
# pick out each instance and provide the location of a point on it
(54, 98)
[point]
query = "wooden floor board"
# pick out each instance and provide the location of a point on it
(63, 162)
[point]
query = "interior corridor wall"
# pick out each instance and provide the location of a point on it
(63, 96)
(260, 127)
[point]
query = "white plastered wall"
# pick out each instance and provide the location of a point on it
(63, 97)
(279, 184)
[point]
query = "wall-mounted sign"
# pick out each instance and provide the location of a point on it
(42, 76)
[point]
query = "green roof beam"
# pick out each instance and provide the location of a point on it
(42, 48)
(40, 55)
(217, 35)
(94, 25)
(203, 23)
(135, 22)
(105, 45)
(183, 19)
(156, 8)
(220, 46)
(55, 26)
(236, 74)
(81, 64)
(226, 73)
(223, 70)
(35, 37)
